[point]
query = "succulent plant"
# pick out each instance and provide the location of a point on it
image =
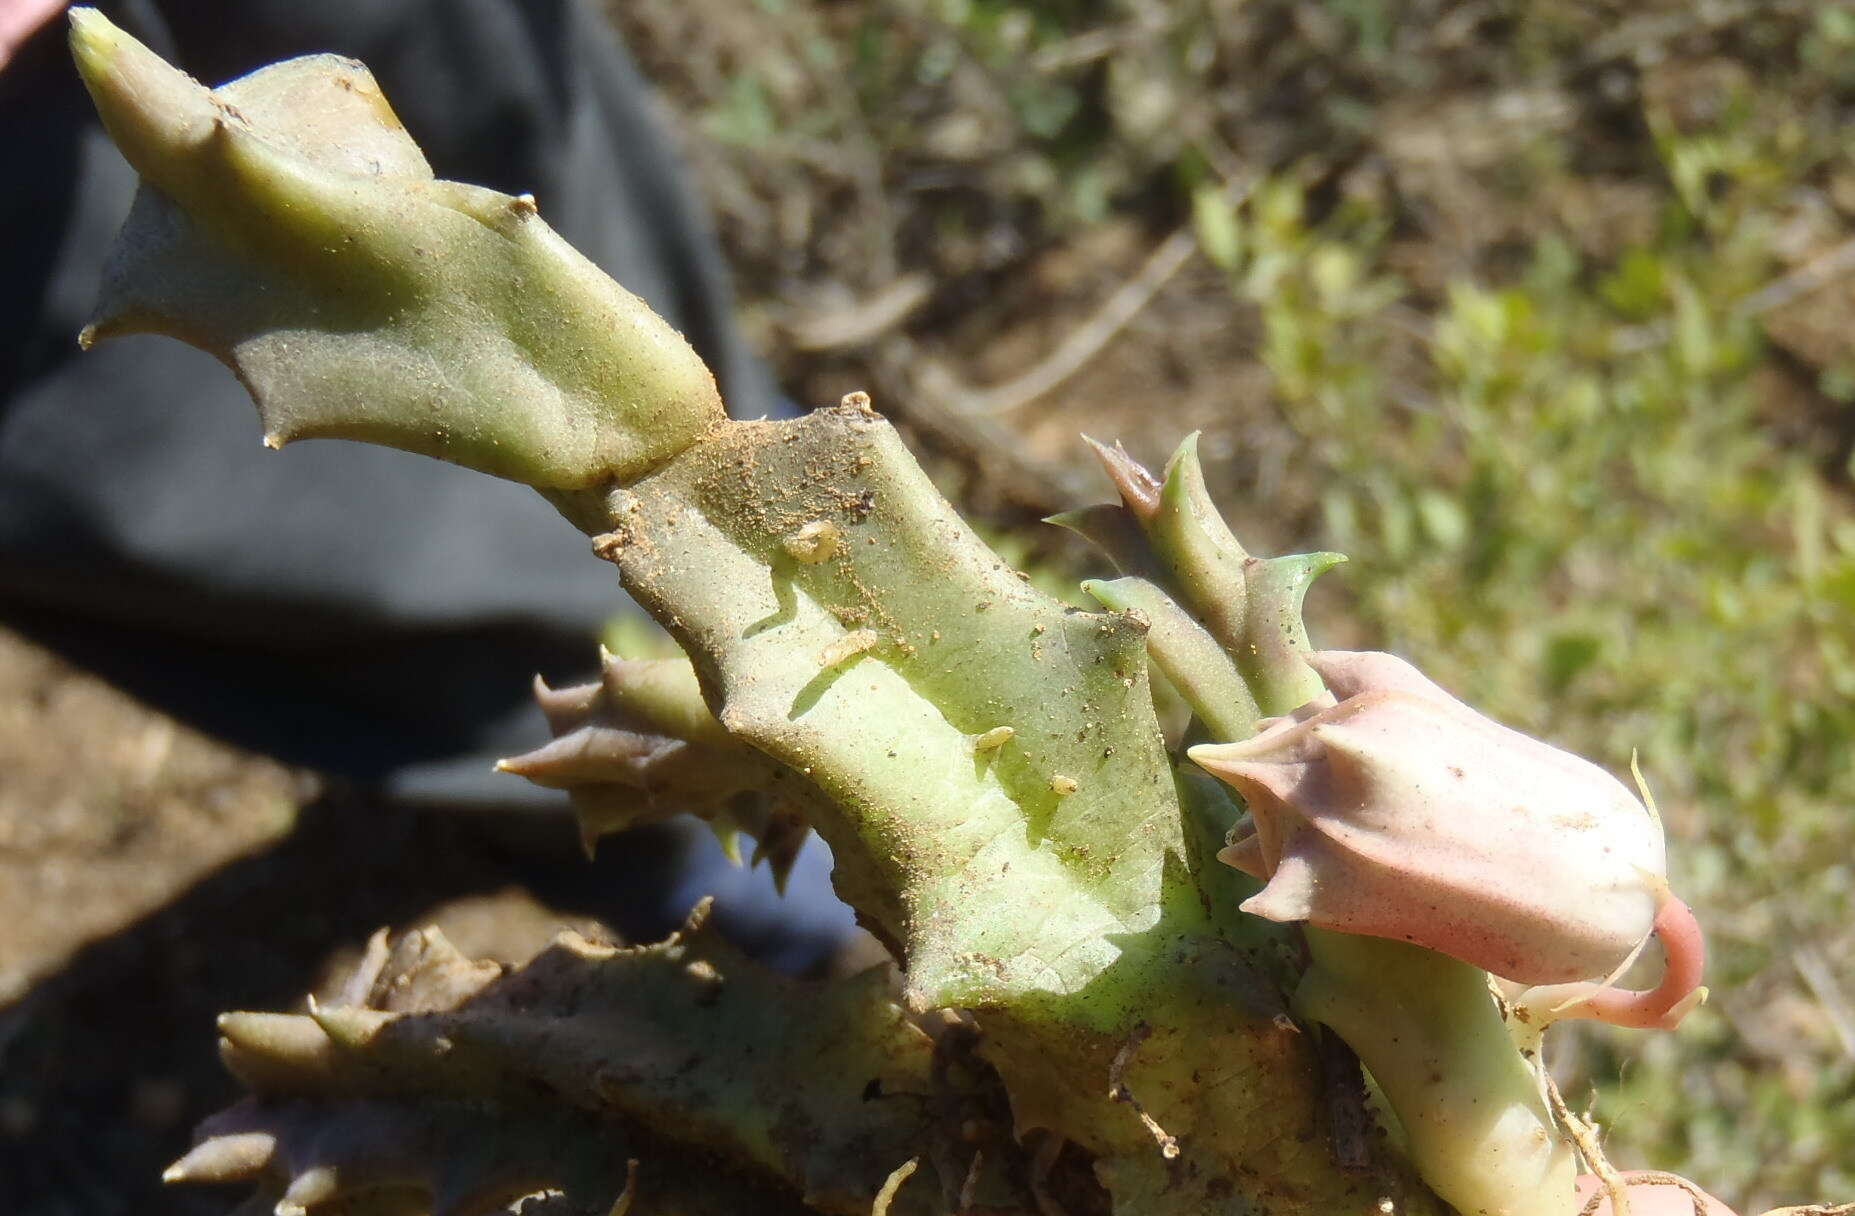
(1081, 1016)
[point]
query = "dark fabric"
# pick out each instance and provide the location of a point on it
(362, 611)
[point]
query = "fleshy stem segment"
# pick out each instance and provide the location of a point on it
(1425, 1026)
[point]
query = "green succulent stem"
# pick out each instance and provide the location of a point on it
(1194, 580)
(1428, 1030)
(1187, 654)
(1039, 878)
(288, 225)
(1425, 1025)
(984, 760)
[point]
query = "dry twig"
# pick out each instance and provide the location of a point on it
(1087, 340)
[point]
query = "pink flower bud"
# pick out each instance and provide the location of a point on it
(1388, 808)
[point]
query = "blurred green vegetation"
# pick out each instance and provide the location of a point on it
(1585, 526)
(1554, 303)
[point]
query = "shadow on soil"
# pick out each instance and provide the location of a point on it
(106, 1067)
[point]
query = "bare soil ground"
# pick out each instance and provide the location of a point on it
(152, 878)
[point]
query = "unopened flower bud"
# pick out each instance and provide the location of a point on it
(1388, 808)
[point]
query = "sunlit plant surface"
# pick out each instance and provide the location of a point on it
(984, 760)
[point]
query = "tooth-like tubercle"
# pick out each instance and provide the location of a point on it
(285, 1037)
(233, 1158)
(319, 1184)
